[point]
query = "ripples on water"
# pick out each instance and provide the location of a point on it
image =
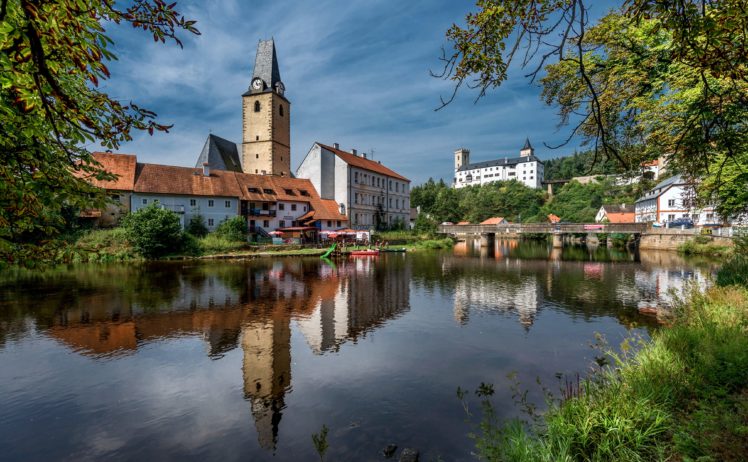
(238, 360)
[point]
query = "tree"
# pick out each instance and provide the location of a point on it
(196, 226)
(53, 56)
(651, 78)
(153, 231)
(233, 229)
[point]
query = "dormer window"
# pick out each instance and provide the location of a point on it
(268, 191)
(257, 106)
(304, 192)
(289, 192)
(253, 190)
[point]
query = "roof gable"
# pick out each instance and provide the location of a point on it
(360, 162)
(122, 165)
(220, 154)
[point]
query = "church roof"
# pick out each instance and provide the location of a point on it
(266, 65)
(361, 162)
(220, 154)
(527, 144)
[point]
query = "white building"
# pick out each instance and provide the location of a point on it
(672, 199)
(527, 169)
(370, 194)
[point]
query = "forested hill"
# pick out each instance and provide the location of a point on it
(578, 164)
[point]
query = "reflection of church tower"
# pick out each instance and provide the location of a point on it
(267, 374)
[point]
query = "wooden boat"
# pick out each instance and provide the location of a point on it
(365, 253)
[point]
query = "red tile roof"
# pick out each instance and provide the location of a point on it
(366, 164)
(493, 221)
(553, 218)
(617, 217)
(463, 223)
(188, 181)
(122, 165)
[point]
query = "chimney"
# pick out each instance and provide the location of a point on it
(206, 169)
(354, 152)
(336, 145)
(363, 154)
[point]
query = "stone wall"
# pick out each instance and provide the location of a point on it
(671, 239)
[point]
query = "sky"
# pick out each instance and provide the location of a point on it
(355, 72)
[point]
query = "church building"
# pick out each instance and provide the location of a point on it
(266, 125)
(527, 169)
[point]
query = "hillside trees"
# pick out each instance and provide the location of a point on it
(651, 78)
(53, 57)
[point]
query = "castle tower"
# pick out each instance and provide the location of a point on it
(527, 150)
(462, 158)
(266, 118)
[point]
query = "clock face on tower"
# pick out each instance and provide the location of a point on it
(280, 88)
(257, 84)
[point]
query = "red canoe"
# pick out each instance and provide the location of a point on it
(364, 253)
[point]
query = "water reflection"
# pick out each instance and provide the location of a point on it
(106, 312)
(306, 323)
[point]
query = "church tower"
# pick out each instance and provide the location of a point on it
(527, 150)
(266, 118)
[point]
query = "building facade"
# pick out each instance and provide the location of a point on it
(368, 193)
(527, 169)
(672, 199)
(267, 202)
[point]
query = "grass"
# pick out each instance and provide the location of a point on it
(215, 244)
(681, 396)
(703, 245)
(101, 245)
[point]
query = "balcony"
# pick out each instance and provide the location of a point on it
(261, 213)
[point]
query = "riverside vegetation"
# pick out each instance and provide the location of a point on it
(153, 233)
(683, 395)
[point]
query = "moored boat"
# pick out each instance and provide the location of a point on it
(365, 253)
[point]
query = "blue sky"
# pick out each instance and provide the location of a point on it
(356, 73)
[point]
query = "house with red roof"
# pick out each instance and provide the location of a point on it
(370, 194)
(267, 202)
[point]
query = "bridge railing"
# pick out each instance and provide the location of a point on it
(545, 228)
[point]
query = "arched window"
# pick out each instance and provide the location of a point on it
(280, 107)
(257, 106)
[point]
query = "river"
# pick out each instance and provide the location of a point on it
(245, 360)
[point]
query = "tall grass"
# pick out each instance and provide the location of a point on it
(703, 245)
(681, 396)
(215, 243)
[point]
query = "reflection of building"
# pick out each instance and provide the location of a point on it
(482, 294)
(361, 303)
(248, 305)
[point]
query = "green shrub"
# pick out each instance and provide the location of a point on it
(734, 272)
(153, 231)
(233, 229)
(196, 226)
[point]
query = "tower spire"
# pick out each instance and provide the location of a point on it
(266, 66)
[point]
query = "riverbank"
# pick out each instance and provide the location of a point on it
(704, 245)
(112, 245)
(681, 396)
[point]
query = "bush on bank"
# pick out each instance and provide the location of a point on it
(681, 396)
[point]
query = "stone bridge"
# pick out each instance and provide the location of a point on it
(558, 230)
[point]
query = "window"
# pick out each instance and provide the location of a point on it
(289, 192)
(227, 204)
(390, 185)
(210, 222)
(115, 197)
(210, 202)
(257, 106)
(145, 201)
(268, 191)
(671, 203)
(257, 156)
(304, 192)
(329, 223)
(338, 223)
(293, 207)
(671, 217)
(304, 208)
(282, 223)
(280, 109)
(266, 223)
(281, 206)
(253, 190)
(193, 202)
(355, 177)
(397, 185)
